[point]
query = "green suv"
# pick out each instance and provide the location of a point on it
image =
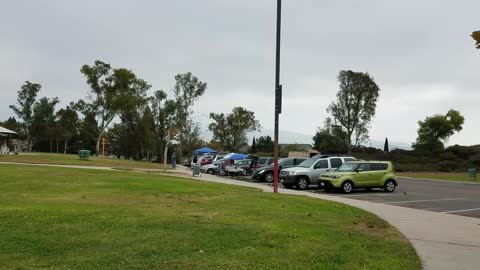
(360, 174)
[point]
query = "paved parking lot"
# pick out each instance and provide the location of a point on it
(445, 197)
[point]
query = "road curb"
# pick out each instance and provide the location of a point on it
(438, 180)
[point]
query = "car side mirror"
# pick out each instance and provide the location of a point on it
(359, 170)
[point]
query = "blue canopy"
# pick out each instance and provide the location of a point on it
(205, 150)
(237, 156)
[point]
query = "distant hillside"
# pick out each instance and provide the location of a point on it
(289, 137)
(286, 137)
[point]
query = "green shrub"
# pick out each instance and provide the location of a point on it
(475, 160)
(447, 166)
(464, 152)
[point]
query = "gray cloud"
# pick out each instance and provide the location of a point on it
(419, 52)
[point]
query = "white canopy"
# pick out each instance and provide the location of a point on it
(6, 131)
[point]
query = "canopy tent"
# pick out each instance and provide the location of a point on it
(234, 156)
(4, 145)
(6, 131)
(205, 150)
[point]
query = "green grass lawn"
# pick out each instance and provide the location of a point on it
(450, 176)
(61, 159)
(61, 218)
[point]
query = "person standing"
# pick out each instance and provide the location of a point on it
(195, 159)
(174, 161)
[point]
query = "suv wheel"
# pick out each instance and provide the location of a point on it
(269, 177)
(389, 186)
(302, 183)
(347, 187)
(210, 171)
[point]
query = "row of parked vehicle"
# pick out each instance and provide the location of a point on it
(241, 166)
(344, 173)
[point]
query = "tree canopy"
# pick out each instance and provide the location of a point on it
(264, 144)
(330, 139)
(476, 37)
(386, 148)
(24, 109)
(355, 105)
(113, 91)
(435, 130)
(231, 130)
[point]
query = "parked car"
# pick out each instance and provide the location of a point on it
(212, 168)
(360, 174)
(265, 173)
(217, 157)
(244, 164)
(258, 162)
(187, 162)
(308, 172)
(206, 160)
(239, 166)
(203, 160)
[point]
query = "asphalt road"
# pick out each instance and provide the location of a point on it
(445, 197)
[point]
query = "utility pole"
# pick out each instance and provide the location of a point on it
(278, 97)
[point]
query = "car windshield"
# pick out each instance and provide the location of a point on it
(307, 163)
(348, 167)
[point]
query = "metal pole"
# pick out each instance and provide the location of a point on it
(277, 98)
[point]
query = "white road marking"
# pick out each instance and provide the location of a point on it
(381, 194)
(458, 211)
(437, 200)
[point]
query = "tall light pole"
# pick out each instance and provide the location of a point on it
(278, 98)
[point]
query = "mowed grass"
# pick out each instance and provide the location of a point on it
(449, 176)
(61, 218)
(68, 159)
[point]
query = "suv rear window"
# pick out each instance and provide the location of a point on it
(264, 161)
(379, 166)
(336, 162)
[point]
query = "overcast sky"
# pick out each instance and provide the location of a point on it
(419, 52)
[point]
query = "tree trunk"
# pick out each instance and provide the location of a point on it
(166, 152)
(29, 143)
(65, 147)
(97, 149)
(51, 144)
(349, 143)
(165, 158)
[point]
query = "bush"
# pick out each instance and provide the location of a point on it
(414, 167)
(463, 152)
(475, 160)
(447, 166)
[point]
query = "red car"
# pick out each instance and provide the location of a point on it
(206, 160)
